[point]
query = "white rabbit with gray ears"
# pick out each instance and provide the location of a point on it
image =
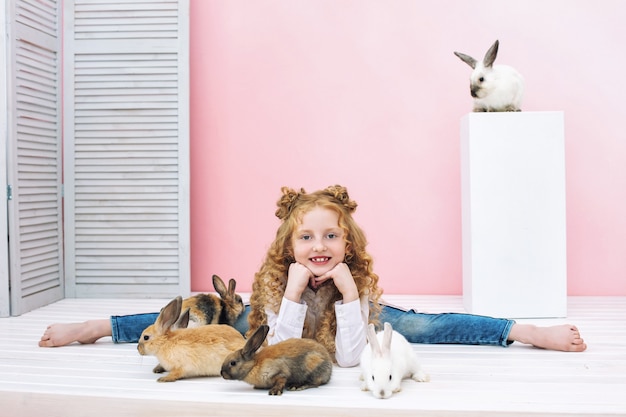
(495, 88)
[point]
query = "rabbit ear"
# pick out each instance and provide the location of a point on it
(373, 340)
(467, 59)
(491, 54)
(231, 286)
(387, 337)
(255, 342)
(183, 320)
(169, 314)
(219, 285)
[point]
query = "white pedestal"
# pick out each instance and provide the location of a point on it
(513, 214)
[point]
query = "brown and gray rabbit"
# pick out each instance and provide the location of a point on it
(295, 364)
(187, 352)
(211, 309)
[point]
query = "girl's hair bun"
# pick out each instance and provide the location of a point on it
(340, 193)
(286, 202)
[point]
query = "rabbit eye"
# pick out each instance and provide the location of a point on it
(373, 378)
(233, 363)
(481, 79)
(146, 337)
(390, 377)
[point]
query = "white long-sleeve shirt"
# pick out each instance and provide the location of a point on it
(352, 319)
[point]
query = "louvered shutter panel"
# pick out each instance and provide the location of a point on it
(34, 155)
(4, 229)
(126, 144)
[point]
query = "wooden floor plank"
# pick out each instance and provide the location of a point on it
(106, 379)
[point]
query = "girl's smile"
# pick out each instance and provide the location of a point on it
(318, 243)
(319, 260)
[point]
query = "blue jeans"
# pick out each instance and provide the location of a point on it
(457, 328)
(128, 329)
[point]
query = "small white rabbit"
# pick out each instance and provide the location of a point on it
(495, 88)
(387, 359)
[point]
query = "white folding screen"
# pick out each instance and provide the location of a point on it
(126, 132)
(34, 156)
(126, 141)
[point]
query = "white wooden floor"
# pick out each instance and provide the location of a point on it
(114, 380)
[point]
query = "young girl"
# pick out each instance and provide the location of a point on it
(317, 282)
(317, 279)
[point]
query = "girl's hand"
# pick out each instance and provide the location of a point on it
(297, 280)
(343, 279)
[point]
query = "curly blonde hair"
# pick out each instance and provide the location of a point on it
(270, 281)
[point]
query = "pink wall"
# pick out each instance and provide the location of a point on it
(368, 94)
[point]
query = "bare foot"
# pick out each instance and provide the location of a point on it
(564, 337)
(61, 334)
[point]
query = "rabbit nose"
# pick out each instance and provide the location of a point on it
(474, 92)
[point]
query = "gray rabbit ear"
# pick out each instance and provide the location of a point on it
(169, 314)
(255, 342)
(183, 320)
(219, 285)
(491, 54)
(467, 59)
(231, 286)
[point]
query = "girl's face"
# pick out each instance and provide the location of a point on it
(318, 242)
